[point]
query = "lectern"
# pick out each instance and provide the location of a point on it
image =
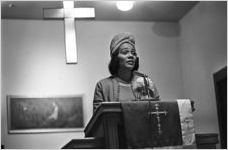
(106, 130)
(107, 123)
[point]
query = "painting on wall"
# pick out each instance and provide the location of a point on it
(45, 114)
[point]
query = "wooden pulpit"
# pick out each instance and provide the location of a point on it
(107, 124)
(106, 130)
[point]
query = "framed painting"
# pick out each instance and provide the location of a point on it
(45, 114)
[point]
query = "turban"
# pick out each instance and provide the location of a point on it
(120, 39)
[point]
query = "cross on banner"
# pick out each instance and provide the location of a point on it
(69, 13)
(157, 113)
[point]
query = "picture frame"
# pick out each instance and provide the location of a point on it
(35, 114)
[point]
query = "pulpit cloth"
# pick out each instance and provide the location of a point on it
(158, 124)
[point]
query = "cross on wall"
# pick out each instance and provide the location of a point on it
(69, 13)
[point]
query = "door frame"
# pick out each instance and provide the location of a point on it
(218, 76)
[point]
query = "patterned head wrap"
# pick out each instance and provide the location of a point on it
(120, 39)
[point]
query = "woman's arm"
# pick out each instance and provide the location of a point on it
(98, 96)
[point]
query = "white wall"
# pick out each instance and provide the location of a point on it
(203, 52)
(33, 63)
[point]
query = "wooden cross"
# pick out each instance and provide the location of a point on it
(157, 113)
(69, 13)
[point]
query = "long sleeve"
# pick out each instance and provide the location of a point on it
(105, 91)
(98, 96)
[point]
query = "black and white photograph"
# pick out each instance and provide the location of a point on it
(113, 74)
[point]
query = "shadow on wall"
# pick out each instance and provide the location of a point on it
(166, 29)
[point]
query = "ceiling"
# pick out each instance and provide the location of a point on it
(170, 11)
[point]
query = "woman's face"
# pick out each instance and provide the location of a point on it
(127, 56)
